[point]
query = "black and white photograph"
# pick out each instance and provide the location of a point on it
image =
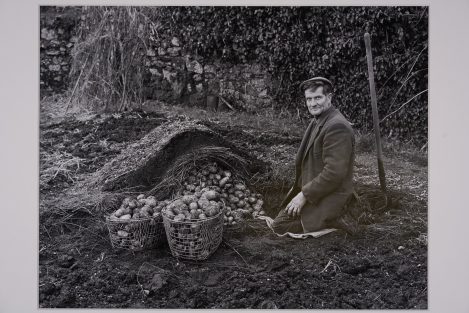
(233, 157)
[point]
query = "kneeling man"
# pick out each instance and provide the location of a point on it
(324, 164)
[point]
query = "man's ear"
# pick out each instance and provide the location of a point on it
(329, 96)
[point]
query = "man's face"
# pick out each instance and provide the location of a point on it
(316, 101)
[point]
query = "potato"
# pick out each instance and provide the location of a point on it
(187, 215)
(227, 173)
(233, 199)
(126, 210)
(204, 172)
(237, 215)
(241, 204)
(122, 233)
(210, 195)
(133, 204)
(140, 196)
(194, 214)
(240, 187)
(195, 228)
(260, 202)
(203, 203)
(202, 216)
(261, 213)
(223, 181)
(156, 214)
(211, 211)
(193, 206)
(212, 169)
(146, 211)
(211, 176)
(176, 204)
(179, 218)
(239, 194)
(189, 199)
(126, 217)
(169, 213)
(231, 191)
(217, 177)
(126, 201)
(113, 217)
(244, 212)
(119, 212)
(215, 204)
(151, 201)
(252, 200)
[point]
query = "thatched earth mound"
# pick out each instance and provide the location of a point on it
(146, 162)
(156, 164)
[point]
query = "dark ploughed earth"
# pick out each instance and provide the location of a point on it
(383, 267)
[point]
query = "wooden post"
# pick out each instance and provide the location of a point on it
(374, 107)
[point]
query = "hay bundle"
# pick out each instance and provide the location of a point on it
(107, 61)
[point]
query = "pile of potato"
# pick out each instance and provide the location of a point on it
(199, 206)
(138, 208)
(147, 228)
(211, 188)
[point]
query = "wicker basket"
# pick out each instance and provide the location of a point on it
(135, 234)
(194, 240)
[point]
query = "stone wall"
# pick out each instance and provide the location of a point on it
(176, 75)
(172, 74)
(57, 26)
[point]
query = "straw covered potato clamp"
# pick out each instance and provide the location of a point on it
(210, 188)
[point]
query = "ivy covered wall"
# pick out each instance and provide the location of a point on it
(256, 56)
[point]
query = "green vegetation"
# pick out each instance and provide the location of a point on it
(293, 43)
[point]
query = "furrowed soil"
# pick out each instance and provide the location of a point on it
(384, 267)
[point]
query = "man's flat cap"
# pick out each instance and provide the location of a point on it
(319, 79)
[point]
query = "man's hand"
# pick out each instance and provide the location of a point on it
(296, 204)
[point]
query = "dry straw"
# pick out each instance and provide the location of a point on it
(107, 60)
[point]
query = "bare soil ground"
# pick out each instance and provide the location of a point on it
(385, 266)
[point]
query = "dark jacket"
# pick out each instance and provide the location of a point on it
(324, 169)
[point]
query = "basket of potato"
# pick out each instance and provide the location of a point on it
(194, 224)
(137, 224)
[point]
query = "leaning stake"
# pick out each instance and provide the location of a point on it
(374, 107)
